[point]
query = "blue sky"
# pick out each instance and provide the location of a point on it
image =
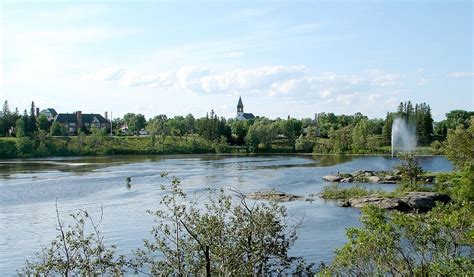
(283, 58)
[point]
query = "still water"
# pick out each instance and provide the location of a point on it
(29, 189)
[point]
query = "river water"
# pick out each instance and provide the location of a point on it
(29, 189)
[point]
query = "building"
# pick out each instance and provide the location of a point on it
(49, 113)
(240, 112)
(75, 121)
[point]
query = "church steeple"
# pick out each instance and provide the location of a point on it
(240, 106)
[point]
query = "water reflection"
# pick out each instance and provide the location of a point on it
(29, 189)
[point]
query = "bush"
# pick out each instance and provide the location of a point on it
(25, 146)
(438, 243)
(335, 191)
(8, 149)
(218, 237)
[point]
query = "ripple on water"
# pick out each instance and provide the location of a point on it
(28, 192)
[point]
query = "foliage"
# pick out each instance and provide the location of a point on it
(458, 185)
(8, 149)
(439, 242)
(335, 191)
(218, 236)
(459, 145)
(43, 123)
(360, 136)
(76, 252)
(57, 129)
(135, 122)
(409, 167)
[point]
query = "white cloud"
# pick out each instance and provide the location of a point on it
(460, 74)
(291, 82)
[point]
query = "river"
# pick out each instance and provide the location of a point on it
(29, 189)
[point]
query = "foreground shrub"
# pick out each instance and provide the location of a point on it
(76, 252)
(218, 236)
(439, 242)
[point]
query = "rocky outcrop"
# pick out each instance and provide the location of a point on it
(413, 201)
(424, 201)
(273, 195)
(366, 176)
(332, 178)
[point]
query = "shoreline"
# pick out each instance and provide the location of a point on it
(74, 157)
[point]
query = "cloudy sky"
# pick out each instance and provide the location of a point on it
(283, 58)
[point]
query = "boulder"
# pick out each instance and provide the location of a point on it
(385, 203)
(424, 201)
(344, 203)
(274, 195)
(413, 201)
(373, 179)
(390, 178)
(332, 178)
(347, 180)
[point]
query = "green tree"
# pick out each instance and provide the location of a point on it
(437, 243)
(239, 130)
(218, 237)
(459, 145)
(20, 128)
(409, 167)
(43, 123)
(360, 136)
(56, 129)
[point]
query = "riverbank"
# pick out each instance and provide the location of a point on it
(25, 147)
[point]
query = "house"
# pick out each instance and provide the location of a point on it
(49, 113)
(75, 121)
(240, 112)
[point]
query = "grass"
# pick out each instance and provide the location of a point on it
(336, 192)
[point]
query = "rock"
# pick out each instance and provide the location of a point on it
(385, 203)
(387, 182)
(344, 203)
(373, 179)
(390, 178)
(347, 180)
(357, 173)
(274, 195)
(332, 178)
(424, 201)
(368, 173)
(413, 201)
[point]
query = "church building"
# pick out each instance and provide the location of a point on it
(240, 112)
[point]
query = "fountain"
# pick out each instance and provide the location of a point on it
(403, 135)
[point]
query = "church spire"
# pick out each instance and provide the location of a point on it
(240, 106)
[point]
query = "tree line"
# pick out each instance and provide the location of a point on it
(327, 133)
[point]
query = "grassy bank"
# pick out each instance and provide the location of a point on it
(26, 147)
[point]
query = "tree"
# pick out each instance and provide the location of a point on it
(31, 125)
(135, 122)
(409, 167)
(239, 130)
(56, 129)
(359, 136)
(159, 125)
(341, 139)
(190, 124)
(20, 128)
(220, 238)
(459, 145)
(43, 123)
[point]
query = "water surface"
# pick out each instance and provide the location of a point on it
(29, 189)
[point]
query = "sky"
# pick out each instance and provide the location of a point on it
(283, 58)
